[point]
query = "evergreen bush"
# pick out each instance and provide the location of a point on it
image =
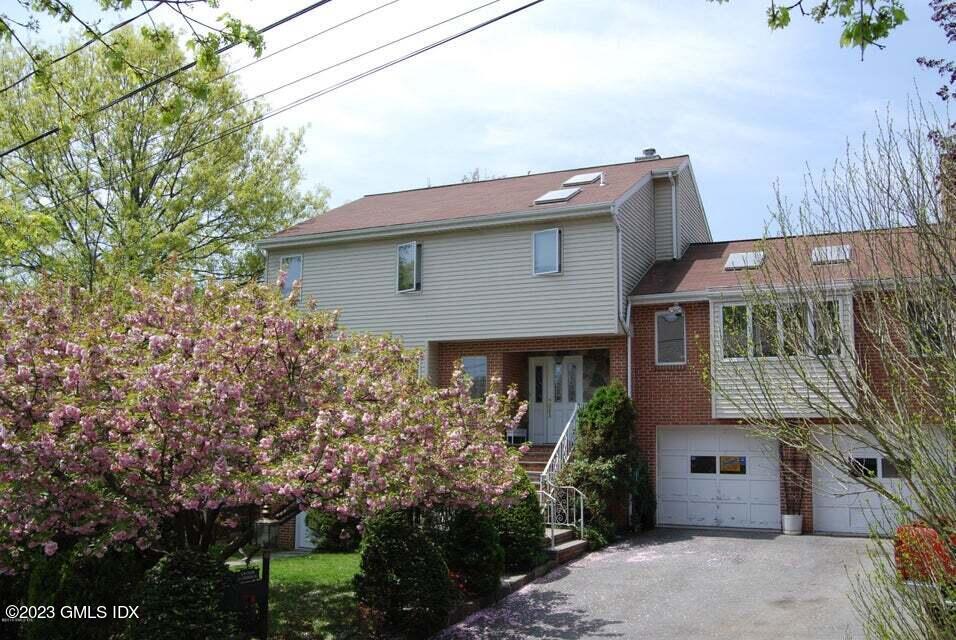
(521, 526)
(403, 577)
(182, 597)
(69, 579)
(473, 552)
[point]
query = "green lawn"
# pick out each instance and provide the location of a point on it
(311, 597)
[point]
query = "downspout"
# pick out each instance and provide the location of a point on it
(630, 339)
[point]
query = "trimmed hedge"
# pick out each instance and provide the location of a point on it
(521, 526)
(403, 576)
(182, 597)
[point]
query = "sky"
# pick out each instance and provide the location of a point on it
(568, 84)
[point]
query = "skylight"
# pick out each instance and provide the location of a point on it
(831, 254)
(558, 195)
(744, 260)
(583, 178)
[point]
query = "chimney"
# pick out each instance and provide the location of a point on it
(649, 154)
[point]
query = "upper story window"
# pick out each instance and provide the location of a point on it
(409, 267)
(292, 267)
(476, 368)
(670, 337)
(768, 330)
(546, 247)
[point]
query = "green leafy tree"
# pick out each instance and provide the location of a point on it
(865, 22)
(170, 176)
(23, 17)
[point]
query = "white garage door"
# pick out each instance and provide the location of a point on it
(843, 505)
(717, 477)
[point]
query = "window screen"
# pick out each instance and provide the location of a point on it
(410, 267)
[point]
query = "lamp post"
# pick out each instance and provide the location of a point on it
(267, 537)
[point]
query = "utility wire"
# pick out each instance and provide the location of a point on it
(308, 75)
(120, 25)
(305, 99)
(166, 76)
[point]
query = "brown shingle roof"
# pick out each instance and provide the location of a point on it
(487, 197)
(875, 254)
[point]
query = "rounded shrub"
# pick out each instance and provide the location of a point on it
(473, 552)
(403, 577)
(520, 525)
(69, 579)
(331, 533)
(182, 597)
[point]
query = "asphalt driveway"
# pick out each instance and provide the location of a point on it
(682, 584)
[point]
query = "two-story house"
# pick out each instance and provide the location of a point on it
(524, 278)
(559, 283)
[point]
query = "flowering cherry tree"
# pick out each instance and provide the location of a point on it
(168, 415)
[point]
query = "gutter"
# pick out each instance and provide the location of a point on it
(471, 222)
(735, 293)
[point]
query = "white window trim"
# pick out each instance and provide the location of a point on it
(416, 285)
(557, 253)
(284, 259)
(811, 331)
(657, 355)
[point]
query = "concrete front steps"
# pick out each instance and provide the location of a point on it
(535, 460)
(566, 547)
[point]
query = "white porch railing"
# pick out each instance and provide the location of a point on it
(561, 505)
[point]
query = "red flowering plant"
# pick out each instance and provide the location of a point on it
(169, 414)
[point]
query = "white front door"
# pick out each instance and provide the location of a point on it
(555, 386)
(717, 477)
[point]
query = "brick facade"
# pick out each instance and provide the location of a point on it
(679, 395)
(507, 359)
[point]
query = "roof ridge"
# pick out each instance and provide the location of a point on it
(527, 175)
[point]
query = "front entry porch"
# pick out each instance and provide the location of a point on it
(552, 374)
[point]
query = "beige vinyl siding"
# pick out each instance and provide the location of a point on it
(635, 218)
(737, 392)
(476, 284)
(690, 212)
(663, 220)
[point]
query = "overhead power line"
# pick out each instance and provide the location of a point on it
(79, 48)
(166, 76)
(304, 99)
(306, 76)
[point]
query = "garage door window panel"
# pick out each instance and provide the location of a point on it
(863, 467)
(733, 465)
(703, 464)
